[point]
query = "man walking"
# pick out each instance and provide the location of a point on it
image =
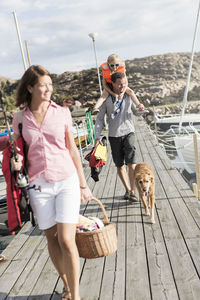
(120, 132)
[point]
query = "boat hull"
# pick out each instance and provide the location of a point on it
(185, 150)
(166, 126)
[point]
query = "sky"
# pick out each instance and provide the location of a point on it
(57, 31)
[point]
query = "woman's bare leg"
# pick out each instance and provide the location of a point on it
(64, 254)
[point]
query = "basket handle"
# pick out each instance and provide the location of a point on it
(106, 221)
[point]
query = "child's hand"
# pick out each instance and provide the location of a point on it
(140, 106)
(120, 96)
(95, 111)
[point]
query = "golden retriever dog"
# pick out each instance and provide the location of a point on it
(144, 181)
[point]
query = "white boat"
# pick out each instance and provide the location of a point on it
(185, 150)
(183, 119)
(165, 122)
(182, 137)
(184, 143)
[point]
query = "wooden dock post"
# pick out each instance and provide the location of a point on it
(196, 187)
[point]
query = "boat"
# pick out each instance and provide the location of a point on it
(166, 122)
(84, 131)
(185, 149)
(178, 136)
(5, 132)
(80, 133)
(185, 143)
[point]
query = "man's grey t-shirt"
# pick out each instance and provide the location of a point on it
(121, 125)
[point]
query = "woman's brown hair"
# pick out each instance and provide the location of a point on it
(30, 77)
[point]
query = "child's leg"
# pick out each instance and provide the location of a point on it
(101, 100)
(133, 97)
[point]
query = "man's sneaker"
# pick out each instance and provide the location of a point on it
(127, 195)
(132, 197)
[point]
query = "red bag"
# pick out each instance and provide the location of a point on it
(95, 163)
(13, 193)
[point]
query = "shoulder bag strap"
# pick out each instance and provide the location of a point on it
(19, 118)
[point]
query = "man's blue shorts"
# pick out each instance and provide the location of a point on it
(123, 149)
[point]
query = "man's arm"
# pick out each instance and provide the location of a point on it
(99, 124)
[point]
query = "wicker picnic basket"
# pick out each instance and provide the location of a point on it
(100, 242)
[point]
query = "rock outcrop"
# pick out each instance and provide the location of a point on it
(161, 79)
(157, 80)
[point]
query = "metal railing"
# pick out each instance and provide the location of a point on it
(84, 134)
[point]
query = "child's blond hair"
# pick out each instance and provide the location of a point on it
(113, 58)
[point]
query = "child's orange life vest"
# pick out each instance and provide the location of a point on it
(106, 72)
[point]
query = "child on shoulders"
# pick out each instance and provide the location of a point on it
(114, 64)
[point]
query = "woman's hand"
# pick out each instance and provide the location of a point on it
(86, 194)
(17, 165)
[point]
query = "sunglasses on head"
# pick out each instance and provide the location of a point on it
(114, 65)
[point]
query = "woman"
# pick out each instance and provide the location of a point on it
(55, 166)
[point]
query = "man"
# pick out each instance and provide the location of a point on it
(120, 132)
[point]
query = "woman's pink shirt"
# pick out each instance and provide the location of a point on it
(47, 151)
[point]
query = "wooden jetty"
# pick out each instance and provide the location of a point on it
(153, 262)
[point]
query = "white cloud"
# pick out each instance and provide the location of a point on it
(3, 54)
(41, 40)
(57, 31)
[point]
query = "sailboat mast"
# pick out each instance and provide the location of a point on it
(19, 39)
(189, 71)
(28, 54)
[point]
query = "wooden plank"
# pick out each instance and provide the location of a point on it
(178, 206)
(172, 188)
(184, 272)
(192, 257)
(161, 276)
(189, 223)
(184, 189)
(158, 261)
(178, 263)
(15, 245)
(94, 278)
(18, 263)
(120, 263)
(137, 273)
(46, 283)
(58, 290)
(27, 280)
(108, 279)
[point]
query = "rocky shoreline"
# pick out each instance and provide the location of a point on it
(156, 80)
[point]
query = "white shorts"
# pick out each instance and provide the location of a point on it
(58, 202)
